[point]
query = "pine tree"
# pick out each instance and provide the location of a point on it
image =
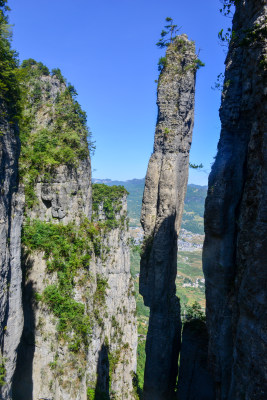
(168, 34)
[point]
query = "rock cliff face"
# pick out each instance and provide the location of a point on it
(11, 211)
(79, 335)
(234, 257)
(195, 380)
(114, 338)
(163, 199)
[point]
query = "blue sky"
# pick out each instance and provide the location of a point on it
(106, 49)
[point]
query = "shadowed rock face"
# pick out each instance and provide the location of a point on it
(11, 212)
(195, 381)
(234, 257)
(164, 193)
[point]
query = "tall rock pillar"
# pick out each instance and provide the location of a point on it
(234, 257)
(163, 200)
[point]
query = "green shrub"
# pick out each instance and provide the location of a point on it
(9, 86)
(101, 288)
(70, 313)
(37, 68)
(194, 312)
(194, 66)
(199, 63)
(162, 63)
(114, 359)
(110, 197)
(227, 5)
(57, 72)
(96, 394)
(2, 371)
(66, 248)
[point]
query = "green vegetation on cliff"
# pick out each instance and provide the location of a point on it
(96, 394)
(2, 371)
(135, 187)
(67, 249)
(168, 34)
(109, 198)
(63, 139)
(170, 39)
(9, 87)
(227, 6)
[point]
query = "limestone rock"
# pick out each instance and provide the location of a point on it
(64, 363)
(66, 196)
(162, 207)
(234, 257)
(112, 354)
(11, 212)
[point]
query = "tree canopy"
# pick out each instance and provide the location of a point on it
(9, 88)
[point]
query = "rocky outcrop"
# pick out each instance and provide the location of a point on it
(234, 257)
(105, 364)
(79, 336)
(11, 212)
(162, 208)
(112, 354)
(195, 380)
(56, 195)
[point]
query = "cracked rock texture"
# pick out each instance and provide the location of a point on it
(46, 366)
(116, 335)
(11, 213)
(66, 196)
(66, 193)
(162, 208)
(234, 257)
(106, 366)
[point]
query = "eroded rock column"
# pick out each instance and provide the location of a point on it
(163, 200)
(234, 257)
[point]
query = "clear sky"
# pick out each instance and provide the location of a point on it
(106, 49)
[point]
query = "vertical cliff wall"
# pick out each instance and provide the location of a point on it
(11, 205)
(79, 335)
(195, 380)
(163, 199)
(112, 354)
(55, 174)
(11, 212)
(234, 257)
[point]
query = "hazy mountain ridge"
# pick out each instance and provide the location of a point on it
(193, 207)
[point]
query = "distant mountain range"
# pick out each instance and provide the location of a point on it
(193, 208)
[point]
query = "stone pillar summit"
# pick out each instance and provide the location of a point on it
(163, 200)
